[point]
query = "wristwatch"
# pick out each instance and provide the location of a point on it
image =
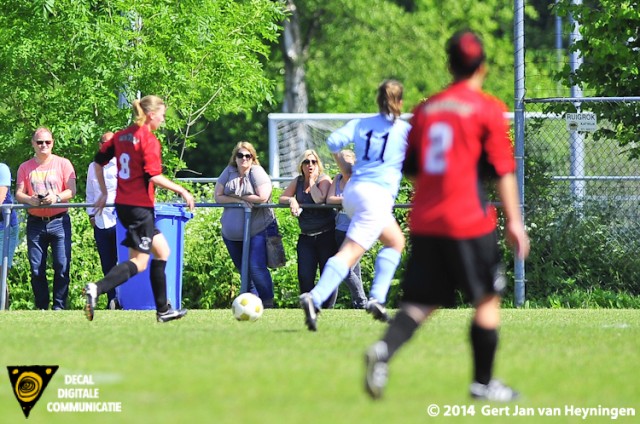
(58, 199)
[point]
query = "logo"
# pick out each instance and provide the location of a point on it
(145, 243)
(29, 382)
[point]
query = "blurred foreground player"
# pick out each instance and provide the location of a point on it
(458, 141)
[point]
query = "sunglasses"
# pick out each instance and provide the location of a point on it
(243, 156)
(309, 161)
(41, 142)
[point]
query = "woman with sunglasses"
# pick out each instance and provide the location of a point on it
(380, 143)
(245, 181)
(316, 242)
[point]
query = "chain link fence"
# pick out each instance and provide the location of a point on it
(582, 195)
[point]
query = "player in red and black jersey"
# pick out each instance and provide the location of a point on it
(458, 141)
(137, 153)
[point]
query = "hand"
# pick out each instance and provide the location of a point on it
(188, 199)
(100, 203)
(517, 238)
(92, 221)
(294, 206)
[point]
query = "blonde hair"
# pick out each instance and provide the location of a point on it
(144, 106)
(389, 97)
(345, 159)
(303, 157)
(243, 145)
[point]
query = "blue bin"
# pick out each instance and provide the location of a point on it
(136, 293)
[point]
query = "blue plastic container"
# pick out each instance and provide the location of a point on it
(136, 293)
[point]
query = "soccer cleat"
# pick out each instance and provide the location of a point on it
(494, 391)
(90, 291)
(378, 311)
(310, 311)
(376, 376)
(170, 314)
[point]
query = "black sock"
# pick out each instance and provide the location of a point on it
(118, 275)
(159, 284)
(400, 330)
(484, 343)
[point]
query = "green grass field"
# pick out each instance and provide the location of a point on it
(209, 368)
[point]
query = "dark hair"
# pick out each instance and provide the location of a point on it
(390, 97)
(466, 53)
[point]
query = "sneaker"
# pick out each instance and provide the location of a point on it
(494, 391)
(376, 369)
(170, 314)
(310, 311)
(90, 291)
(378, 311)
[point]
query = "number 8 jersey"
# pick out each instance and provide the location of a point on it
(459, 138)
(137, 153)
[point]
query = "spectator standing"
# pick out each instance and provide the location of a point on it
(245, 181)
(345, 160)
(45, 180)
(137, 152)
(316, 242)
(104, 222)
(7, 198)
(459, 140)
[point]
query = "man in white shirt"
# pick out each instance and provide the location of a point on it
(104, 222)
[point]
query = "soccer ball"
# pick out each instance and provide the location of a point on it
(247, 307)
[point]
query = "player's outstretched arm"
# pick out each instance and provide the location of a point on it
(164, 182)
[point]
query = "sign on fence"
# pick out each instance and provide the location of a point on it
(584, 121)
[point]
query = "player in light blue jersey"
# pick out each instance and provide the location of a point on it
(380, 143)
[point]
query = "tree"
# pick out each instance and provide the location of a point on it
(65, 64)
(609, 46)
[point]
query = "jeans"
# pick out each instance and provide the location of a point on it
(260, 282)
(354, 279)
(40, 235)
(108, 250)
(313, 254)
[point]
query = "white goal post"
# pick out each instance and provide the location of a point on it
(290, 134)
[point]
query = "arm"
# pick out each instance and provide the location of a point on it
(22, 195)
(515, 232)
(262, 196)
(331, 195)
(320, 189)
(164, 182)
(288, 197)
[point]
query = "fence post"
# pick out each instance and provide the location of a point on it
(246, 240)
(518, 122)
(6, 214)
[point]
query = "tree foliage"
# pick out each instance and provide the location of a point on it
(66, 62)
(609, 46)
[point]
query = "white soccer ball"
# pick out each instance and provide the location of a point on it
(247, 307)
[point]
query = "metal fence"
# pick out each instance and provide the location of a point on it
(581, 162)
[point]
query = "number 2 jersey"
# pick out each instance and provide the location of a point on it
(137, 153)
(380, 144)
(459, 139)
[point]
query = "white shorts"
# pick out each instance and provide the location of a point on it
(370, 208)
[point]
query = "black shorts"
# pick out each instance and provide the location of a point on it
(140, 224)
(439, 266)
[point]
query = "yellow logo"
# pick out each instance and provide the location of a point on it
(28, 382)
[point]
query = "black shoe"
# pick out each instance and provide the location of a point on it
(90, 291)
(376, 376)
(170, 315)
(378, 311)
(494, 391)
(310, 311)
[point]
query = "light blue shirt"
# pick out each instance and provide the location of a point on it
(380, 144)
